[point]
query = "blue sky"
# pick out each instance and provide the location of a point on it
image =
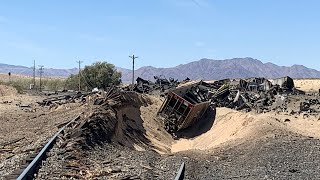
(163, 33)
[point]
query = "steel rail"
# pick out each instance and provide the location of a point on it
(31, 169)
(181, 172)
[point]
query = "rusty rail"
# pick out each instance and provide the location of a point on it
(32, 168)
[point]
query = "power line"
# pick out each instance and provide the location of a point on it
(196, 3)
(133, 58)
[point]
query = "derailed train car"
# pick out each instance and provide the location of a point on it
(183, 107)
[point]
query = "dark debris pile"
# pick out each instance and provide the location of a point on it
(258, 94)
(63, 98)
(160, 84)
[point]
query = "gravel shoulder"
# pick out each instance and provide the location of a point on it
(24, 130)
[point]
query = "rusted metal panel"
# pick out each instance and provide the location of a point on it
(284, 82)
(183, 107)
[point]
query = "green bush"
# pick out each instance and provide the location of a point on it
(99, 74)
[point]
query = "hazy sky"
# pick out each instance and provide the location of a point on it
(163, 33)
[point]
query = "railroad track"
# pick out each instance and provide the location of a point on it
(181, 173)
(33, 162)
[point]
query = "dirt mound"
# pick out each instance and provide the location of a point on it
(130, 121)
(7, 90)
(232, 127)
(228, 125)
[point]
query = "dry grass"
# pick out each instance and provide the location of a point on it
(21, 82)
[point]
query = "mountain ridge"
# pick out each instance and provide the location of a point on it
(209, 69)
(206, 69)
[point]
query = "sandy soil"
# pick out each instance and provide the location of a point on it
(233, 127)
(7, 90)
(160, 139)
(309, 85)
(143, 120)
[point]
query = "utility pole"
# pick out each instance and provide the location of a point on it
(34, 74)
(40, 72)
(133, 58)
(79, 62)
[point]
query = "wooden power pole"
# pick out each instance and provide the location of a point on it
(79, 77)
(40, 72)
(34, 74)
(133, 58)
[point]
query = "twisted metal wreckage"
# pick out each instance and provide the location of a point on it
(187, 104)
(186, 101)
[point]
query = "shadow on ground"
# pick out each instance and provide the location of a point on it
(203, 125)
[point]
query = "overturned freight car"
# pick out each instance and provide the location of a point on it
(184, 106)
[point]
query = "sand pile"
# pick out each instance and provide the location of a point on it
(233, 127)
(131, 122)
(7, 90)
(228, 125)
(138, 126)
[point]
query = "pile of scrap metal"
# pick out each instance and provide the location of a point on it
(160, 84)
(310, 106)
(63, 98)
(250, 94)
(111, 96)
(184, 106)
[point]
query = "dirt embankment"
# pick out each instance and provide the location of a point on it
(140, 127)
(132, 122)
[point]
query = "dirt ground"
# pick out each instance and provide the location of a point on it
(26, 127)
(7, 90)
(309, 85)
(227, 144)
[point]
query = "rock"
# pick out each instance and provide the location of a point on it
(286, 120)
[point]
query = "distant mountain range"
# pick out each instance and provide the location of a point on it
(206, 69)
(50, 72)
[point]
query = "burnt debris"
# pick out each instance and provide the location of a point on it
(161, 84)
(186, 102)
(184, 105)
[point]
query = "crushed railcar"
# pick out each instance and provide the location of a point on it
(183, 106)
